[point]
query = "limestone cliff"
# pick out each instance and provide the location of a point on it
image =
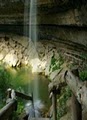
(17, 50)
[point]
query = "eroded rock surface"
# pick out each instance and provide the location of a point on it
(47, 57)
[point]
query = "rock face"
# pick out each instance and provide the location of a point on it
(16, 51)
(54, 12)
(44, 58)
(47, 57)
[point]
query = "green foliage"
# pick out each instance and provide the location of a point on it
(83, 75)
(20, 108)
(84, 56)
(62, 109)
(56, 64)
(4, 82)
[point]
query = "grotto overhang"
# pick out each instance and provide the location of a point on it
(62, 20)
(54, 12)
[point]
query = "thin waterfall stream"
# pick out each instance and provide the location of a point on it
(30, 19)
(31, 15)
(33, 22)
(33, 37)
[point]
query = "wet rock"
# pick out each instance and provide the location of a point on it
(11, 59)
(36, 110)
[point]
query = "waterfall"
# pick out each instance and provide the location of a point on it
(33, 22)
(30, 17)
(33, 38)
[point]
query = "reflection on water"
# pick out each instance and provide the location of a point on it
(23, 80)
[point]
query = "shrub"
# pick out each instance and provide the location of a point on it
(4, 81)
(83, 75)
(56, 64)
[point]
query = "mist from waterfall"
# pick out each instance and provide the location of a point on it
(30, 17)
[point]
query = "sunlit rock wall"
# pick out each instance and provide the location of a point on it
(17, 51)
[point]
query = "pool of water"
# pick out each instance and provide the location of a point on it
(23, 80)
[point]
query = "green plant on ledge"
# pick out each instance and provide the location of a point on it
(83, 75)
(56, 63)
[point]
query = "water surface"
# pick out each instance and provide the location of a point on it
(24, 80)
